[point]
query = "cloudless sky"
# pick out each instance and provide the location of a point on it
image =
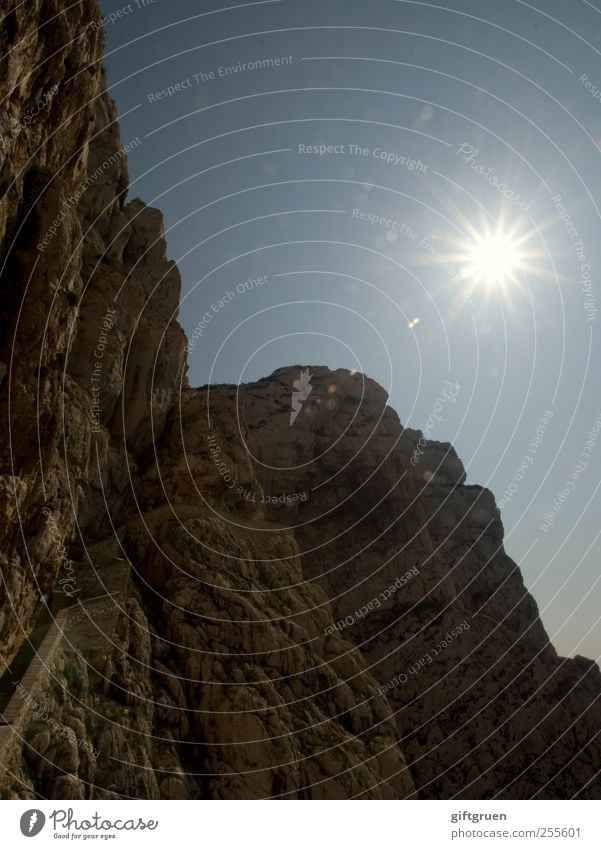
(387, 83)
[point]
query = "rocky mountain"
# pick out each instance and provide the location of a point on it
(272, 590)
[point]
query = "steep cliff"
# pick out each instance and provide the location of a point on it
(412, 561)
(222, 601)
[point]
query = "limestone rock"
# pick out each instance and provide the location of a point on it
(261, 604)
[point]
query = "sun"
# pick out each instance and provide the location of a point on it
(493, 259)
(489, 258)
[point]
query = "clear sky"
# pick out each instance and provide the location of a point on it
(370, 163)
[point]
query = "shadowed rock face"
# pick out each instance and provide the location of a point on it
(306, 608)
(412, 560)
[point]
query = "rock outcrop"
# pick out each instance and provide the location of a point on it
(248, 607)
(412, 561)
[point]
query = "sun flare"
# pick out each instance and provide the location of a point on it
(494, 259)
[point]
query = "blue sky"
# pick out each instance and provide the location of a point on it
(348, 162)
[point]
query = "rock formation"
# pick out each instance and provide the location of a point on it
(219, 602)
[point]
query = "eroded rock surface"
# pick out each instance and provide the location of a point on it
(266, 609)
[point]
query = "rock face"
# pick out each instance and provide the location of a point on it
(412, 561)
(252, 605)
